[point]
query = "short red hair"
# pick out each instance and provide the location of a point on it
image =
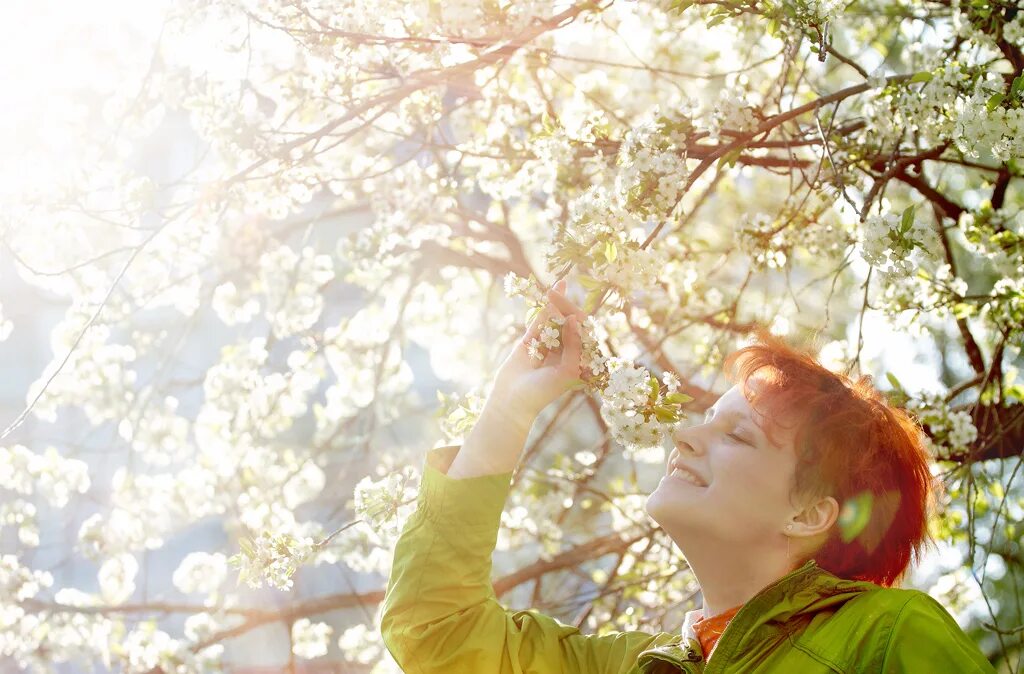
(851, 444)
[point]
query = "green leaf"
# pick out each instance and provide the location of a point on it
(908, 220)
(1017, 87)
(665, 415)
(963, 310)
(590, 302)
(922, 77)
(678, 397)
(730, 157)
(715, 20)
(894, 381)
(589, 282)
(994, 101)
(681, 5)
(610, 251)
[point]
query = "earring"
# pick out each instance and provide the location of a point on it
(789, 527)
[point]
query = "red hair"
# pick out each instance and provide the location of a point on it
(850, 444)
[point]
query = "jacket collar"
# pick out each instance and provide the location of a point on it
(801, 592)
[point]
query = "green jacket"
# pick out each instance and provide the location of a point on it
(441, 614)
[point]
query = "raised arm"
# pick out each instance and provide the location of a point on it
(522, 388)
(440, 611)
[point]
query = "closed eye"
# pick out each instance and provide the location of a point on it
(738, 438)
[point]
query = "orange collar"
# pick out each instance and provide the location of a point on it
(708, 630)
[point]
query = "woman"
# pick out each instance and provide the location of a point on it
(798, 503)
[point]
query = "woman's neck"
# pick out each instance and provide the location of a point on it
(728, 580)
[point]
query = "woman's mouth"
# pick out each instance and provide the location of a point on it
(684, 475)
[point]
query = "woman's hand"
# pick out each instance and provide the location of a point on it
(523, 386)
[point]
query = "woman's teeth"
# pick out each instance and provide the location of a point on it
(686, 476)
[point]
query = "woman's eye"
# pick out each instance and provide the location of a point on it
(737, 438)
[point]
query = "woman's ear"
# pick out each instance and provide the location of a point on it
(817, 517)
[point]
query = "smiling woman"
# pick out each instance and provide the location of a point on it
(798, 504)
(796, 463)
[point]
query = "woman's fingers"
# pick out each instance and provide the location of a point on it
(564, 305)
(542, 317)
(572, 347)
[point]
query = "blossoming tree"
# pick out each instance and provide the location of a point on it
(278, 229)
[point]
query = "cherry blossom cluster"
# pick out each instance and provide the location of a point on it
(271, 558)
(950, 432)
(952, 102)
(894, 244)
(1006, 309)
(200, 572)
(117, 578)
(997, 235)
(363, 644)
(21, 515)
(20, 582)
(651, 163)
(637, 408)
(49, 474)
(458, 414)
(824, 10)
(379, 503)
(274, 556)
(732, 110)
(992, 119)
(310, 639)
(770, 239)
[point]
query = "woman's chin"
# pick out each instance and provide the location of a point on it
(659, 502)
(664, 503)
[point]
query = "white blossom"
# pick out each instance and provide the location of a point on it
(271, 558)
(309, 639)
(949, 432)
(895, 250)
(200, 572)
(20, 582)
(378, 502)
(117, 578)
(231, 306)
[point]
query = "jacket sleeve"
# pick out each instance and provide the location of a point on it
(440, 611)
(926, 638)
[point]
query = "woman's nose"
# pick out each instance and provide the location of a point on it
(687, 439)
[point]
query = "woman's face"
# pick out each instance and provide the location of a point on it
(745, 495)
